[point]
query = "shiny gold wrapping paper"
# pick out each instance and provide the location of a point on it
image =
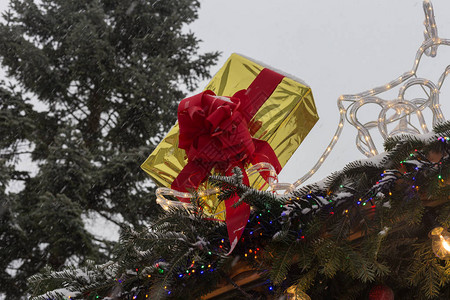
(283, 120)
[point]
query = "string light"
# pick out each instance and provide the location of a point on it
(440, 242)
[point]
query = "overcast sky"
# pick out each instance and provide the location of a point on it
(337, 47)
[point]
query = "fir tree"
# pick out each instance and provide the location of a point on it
(96, 86)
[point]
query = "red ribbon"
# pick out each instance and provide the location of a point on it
(214, 133)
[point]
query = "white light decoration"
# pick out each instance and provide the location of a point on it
(401, 113)
(401, 109)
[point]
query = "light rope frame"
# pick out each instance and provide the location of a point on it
(404, 109)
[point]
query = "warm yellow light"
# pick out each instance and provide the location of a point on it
(295, 294)
(440, 242)
(445, 244)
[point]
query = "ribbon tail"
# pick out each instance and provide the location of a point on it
(190, 178)
(237, 218)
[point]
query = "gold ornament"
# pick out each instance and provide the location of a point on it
(293, 293)
(440, 242)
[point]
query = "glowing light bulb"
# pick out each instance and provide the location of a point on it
(445, 244)
(440, 242)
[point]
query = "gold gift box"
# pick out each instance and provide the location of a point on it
(283, 120)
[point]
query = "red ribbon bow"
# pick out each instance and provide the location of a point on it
(214, 133)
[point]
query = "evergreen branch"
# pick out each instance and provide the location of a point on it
(237, 287)
(282, 262)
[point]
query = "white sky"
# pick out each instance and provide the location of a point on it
(337, 47)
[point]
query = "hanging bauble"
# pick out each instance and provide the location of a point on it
(381, 292)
